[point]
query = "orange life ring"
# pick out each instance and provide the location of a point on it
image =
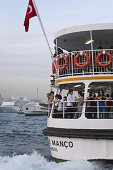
(53, 67)
(104, 64)
(65, 63)
(76, 59)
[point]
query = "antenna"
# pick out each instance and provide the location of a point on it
(37, 95)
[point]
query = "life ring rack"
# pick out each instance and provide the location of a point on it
(76, 60)
(104, 64)
(65, 62)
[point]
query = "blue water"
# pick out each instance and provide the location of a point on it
(24, 147)
(21, 134)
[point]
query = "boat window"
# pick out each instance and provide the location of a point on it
(99, 103)
(69, 103)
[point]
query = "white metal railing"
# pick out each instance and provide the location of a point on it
(94, 109)
(92, 68)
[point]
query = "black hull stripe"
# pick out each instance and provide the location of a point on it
(79, 133)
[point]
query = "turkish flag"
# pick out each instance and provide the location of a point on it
(31, 12)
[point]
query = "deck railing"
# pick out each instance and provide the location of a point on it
(92, 109)
(91, 68)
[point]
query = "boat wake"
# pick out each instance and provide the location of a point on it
(37, 162)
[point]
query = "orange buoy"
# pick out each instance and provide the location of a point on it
(81, 54)
(59, 62)
(100, 55)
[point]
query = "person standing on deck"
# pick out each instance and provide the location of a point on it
(80, 103)
(112, 105)
(102, 106)
(58, 51)
(50, 99)
(70, 104)
(91, 109)
(108, 105)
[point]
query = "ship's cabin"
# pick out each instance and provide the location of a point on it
(84, 50)
(83, 62)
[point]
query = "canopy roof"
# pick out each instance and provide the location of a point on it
(74, 38)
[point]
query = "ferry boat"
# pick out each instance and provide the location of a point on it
(86, 65)
(34, 109)
(9, 106)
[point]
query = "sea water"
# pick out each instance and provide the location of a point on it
(24, 147)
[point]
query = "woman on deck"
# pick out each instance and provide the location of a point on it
(80, 104)
(102, 106)
(91, 108)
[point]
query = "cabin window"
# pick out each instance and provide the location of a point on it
(69, 101)
(99, 103)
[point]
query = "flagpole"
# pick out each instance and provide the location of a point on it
(37, 12)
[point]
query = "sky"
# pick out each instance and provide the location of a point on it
(25, 62)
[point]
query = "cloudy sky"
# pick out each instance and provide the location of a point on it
(25, 62)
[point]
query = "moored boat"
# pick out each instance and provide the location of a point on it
(33, 109)
(86, 67)
(9, 107)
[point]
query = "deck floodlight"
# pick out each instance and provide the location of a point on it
(88, 42)
(77, 85)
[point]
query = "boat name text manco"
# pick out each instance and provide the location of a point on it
(66, 144)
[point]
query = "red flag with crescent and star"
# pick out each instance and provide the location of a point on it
(31, 12)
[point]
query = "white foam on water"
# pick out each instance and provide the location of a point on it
(37, 162)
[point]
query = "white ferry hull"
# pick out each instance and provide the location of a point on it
(83, 129)
(63, 148)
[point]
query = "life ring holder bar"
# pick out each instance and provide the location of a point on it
(69, 67)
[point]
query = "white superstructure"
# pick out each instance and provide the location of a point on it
(86, 66)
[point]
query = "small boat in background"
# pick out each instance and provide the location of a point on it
(32, 109)
(9, 107)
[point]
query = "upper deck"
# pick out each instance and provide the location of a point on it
(87, 50)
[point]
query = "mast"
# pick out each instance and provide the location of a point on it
(37, 95)
(43, 30)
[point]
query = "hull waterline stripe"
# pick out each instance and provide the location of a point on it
(79, 133)
(84, 78)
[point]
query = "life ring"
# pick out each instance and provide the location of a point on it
(76, 59)
(65, 62)
(53, 67)
(104, 64)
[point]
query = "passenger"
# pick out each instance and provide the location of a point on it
(48, 96)
(60, 103)
(70, 104)
(102, 107)
(112, 104)
(51, 97)
(49, 101)
(58, 106)
(58, 51)
(65, 103)
(108, 105)
(56, 103)
(80, 104)
(91, 108)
